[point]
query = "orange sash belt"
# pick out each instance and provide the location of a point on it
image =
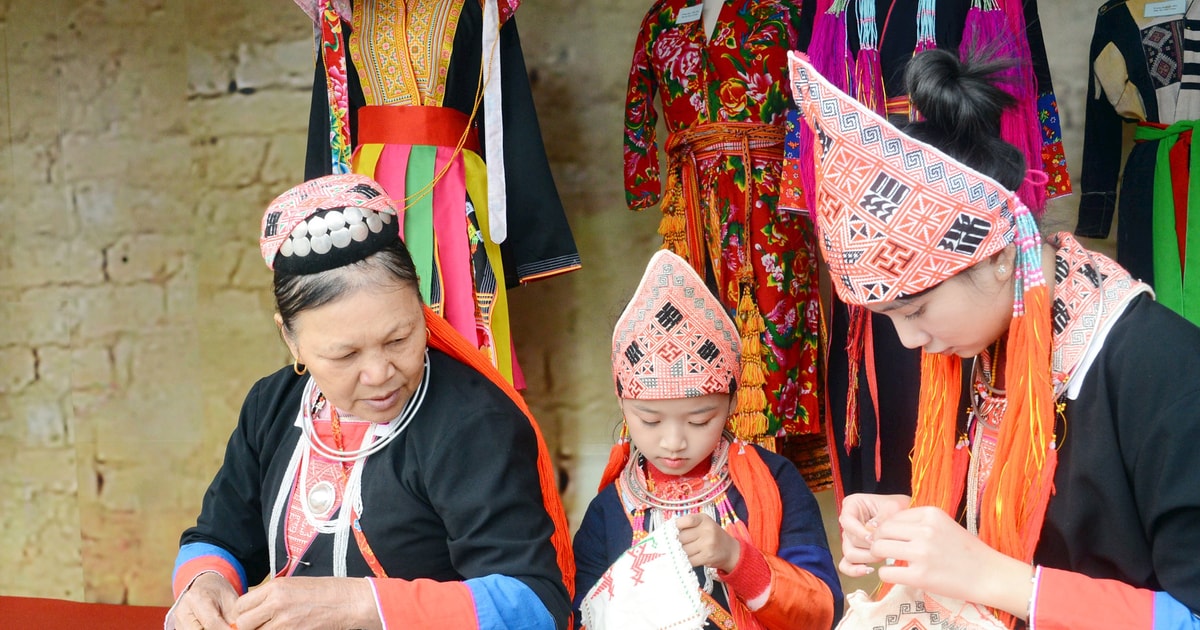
(682, 226)
(415, 125)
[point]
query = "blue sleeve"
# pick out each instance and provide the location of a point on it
(1171, 614)
(506, 603)
(591, 548)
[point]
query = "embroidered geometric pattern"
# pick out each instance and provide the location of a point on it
(292, 209)
(674, 339)
(1088, 289)
(1161, 44)
(896, 216)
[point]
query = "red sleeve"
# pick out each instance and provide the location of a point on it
(642, 186)
(797, 599)
(751, 578)
(1065, 600)
(424, 604)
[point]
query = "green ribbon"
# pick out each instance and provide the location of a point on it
(1175, 285)
(418, 218)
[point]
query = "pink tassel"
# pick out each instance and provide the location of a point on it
(868, 79)
(1024, 130)
(830, 55)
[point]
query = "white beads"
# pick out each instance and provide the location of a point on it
(301, 247)
(322, 244)
(340, 237)
(334, 229)
(316, 226)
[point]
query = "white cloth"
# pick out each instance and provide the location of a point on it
(906, 608)
(650, 587)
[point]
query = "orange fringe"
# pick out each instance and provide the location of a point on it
(749, 420)
(444, 337)
(1022, 481)
(673, 229)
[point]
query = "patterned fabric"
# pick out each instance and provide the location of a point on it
(908, 608)
(674, 340)
(650, 587)
(759, 253)
(293, 207)
(411, 46)
(1090, 290)
(897, 216)
(1054, 158)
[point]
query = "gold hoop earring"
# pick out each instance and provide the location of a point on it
(298, 368)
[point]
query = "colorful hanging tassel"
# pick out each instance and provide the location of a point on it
(829, 53)
(868, 70)
(1020, 125)
(926, 26)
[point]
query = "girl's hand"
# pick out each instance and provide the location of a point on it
(935, 553)
(707, 544)
(309, 602)
(861, 516)
(207, 604)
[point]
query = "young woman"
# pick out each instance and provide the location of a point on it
(1068, 496)
(390, 450)
(747, 521)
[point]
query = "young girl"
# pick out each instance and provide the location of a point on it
(746, 519)
(1069, 496)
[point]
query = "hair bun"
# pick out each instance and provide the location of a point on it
(961, 98)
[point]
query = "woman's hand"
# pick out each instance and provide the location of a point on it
(707, 544)
(208, 604)
(861, 516)
(933, 552)
(309, 602)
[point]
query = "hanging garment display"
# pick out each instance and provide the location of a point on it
(432, 99)
(724, 100)
(1142, 64)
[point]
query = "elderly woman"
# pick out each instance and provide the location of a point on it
(389, 450)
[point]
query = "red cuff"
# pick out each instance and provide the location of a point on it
(190, 569)
(1072, 600)
(751, 578)
(424, 604)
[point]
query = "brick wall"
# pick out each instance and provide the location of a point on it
(139, 142)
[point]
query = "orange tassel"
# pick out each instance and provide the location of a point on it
(936, 440)
(749, 420)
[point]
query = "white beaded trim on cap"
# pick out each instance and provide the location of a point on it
(336, 229)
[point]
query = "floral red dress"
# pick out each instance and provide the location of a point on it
(725, 100)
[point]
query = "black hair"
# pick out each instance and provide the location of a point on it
(961, 102)
(295, 293)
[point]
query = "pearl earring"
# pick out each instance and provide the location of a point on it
(1003, 269)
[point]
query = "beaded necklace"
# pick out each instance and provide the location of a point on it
(707, 495)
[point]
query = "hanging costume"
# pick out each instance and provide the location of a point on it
(426, 86)
(1141, 72)
(871, 378)
(673, 341)
(1094, 423)
(450, 509)
(724, 101)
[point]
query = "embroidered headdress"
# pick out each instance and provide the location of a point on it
(674, 339)
(327, 223)
(897, 217)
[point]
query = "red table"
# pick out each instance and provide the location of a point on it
(20, 613)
